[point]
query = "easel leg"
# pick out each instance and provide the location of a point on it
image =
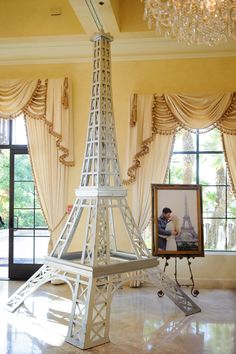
(175, 273)
(194, 291)
(160, 293)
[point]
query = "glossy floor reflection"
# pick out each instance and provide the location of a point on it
(140, 323)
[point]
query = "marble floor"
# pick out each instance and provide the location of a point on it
(141, 322)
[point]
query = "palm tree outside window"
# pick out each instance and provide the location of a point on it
(198, 158)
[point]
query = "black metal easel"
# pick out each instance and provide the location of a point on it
(194, 291)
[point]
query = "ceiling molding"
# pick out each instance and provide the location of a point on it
(95, 15)
(83, 14)
(107, 16)
(75, 49)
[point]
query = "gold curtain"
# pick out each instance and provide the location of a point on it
(154, 120)
(153, 165)
(45, 105)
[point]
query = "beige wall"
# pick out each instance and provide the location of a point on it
(187, 76)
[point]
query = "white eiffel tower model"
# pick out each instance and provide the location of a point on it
(101, 269)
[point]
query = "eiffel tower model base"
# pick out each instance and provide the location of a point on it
(92, 286)
(100, 269)
(92, 290)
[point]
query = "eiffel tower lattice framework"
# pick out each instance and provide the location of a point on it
(101, 268)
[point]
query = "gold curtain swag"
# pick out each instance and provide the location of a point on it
(46, 106)
(36, 99)
(170, 112)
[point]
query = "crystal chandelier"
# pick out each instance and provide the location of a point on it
(193, 21)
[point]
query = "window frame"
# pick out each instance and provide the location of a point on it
(197, 153)
(20, 270)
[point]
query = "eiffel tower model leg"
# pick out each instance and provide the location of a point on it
(47, 273)
(100, 269)
(157, 277)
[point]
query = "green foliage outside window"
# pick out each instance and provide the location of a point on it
(26, 205)
(27, 211)
(4, 185)
(198, 158)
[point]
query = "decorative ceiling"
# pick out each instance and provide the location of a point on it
(58, 31)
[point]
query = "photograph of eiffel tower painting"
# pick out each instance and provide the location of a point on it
(187, 239)
(177, 227)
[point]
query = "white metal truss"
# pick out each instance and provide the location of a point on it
(100, 269)
(172, 290)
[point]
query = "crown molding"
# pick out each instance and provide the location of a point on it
(78, 48)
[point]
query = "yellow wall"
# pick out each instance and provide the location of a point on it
(186, 75)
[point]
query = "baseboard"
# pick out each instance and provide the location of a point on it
(208, 283)
(215, 283)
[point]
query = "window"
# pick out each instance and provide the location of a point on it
(20, 207)
(198, 158)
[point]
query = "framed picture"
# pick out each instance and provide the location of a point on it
(177, 220)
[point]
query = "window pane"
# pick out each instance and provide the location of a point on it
(185, 141)
(42, 233)
(39, 219)
(37, 204)
(4, 185)
(41, 248)
(183, 169)
(210, 141)
(23, 233)
(231, 235)
(231, 204)
(212, 169)
(214, 234)
(23, 218)
(4, 131)
(214, 201)
(23, 250)
(24, 195)
(23, 171)
(19, 136)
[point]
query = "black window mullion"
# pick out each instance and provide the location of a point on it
(197, 157)
(34, 228)
(10, 132)
(226, 210)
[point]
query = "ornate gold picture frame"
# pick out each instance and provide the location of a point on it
(177, 227)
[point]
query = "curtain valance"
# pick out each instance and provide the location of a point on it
(154, 121)
(170, 112)
(47, 100)
(46, 105)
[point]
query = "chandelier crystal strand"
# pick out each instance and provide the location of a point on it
(193, 21)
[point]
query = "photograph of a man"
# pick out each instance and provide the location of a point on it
(163, 231)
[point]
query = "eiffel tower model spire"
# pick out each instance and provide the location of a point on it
(100, 268)
(100, 191)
